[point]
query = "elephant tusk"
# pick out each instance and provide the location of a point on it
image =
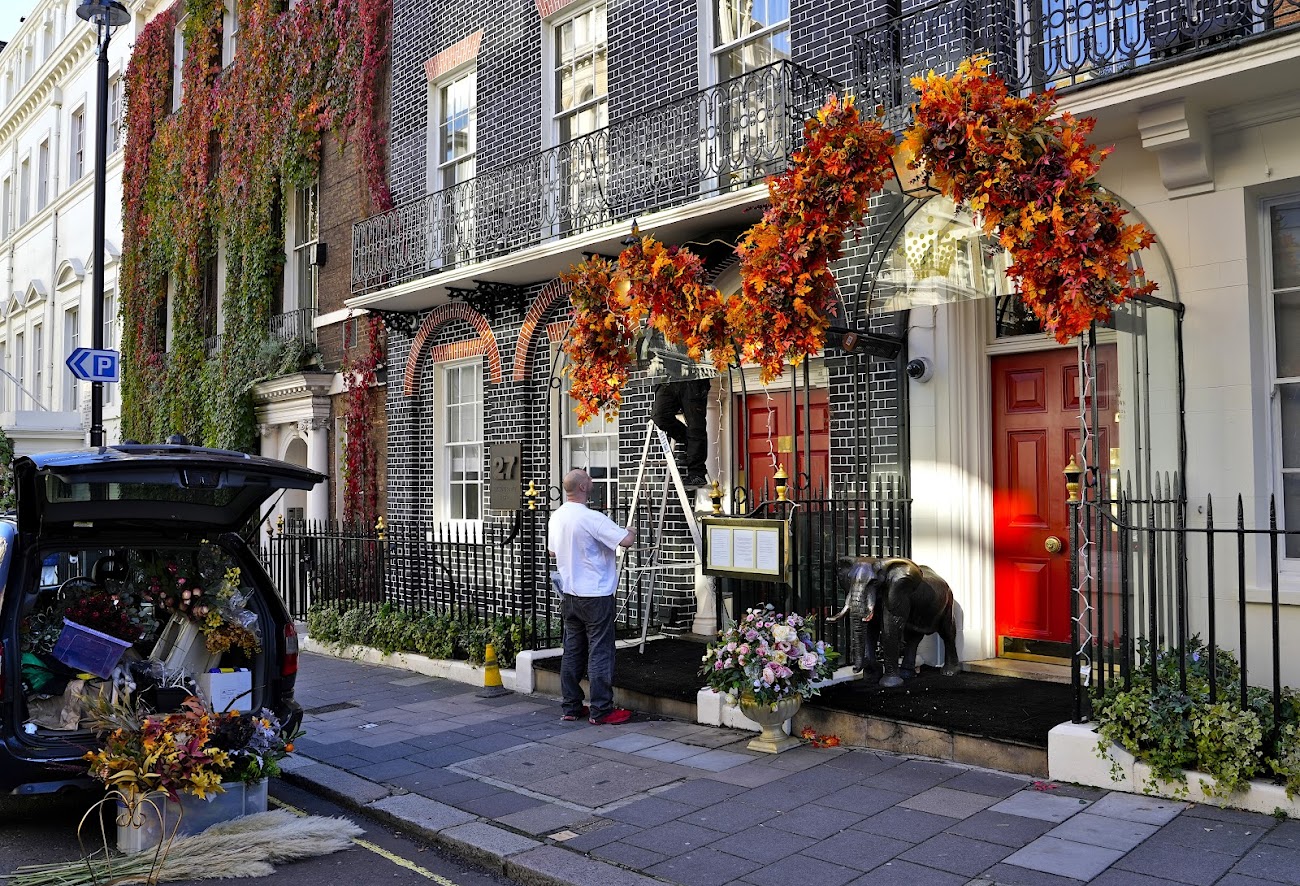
(843, 612)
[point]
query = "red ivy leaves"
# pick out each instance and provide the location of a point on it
(361, 465)
(1027, 173)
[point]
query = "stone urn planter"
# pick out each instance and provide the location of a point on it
(773, 739)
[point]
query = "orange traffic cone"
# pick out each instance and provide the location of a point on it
(492, 687)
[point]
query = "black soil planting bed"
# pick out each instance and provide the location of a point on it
(984, 705)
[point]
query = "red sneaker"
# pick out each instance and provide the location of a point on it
(613, 718)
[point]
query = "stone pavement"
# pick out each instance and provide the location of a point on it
(505, 782)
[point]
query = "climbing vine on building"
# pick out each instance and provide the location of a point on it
(217, 172)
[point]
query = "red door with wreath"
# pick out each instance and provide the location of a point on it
(1035, 431)
(765, 431)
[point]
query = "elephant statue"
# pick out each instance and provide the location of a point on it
(912, 600)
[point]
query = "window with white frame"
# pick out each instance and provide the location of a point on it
(748, 34)
(457, 114)
(8, 200)
(38, 363)
(1283, 277)
(460, 461)
(114, 114)
(77, 145)
(579, 105)
(4, 382)
(592, 447)
(25, 190)
(303, 234)
(20, 368)
(43, 175)
(229, 31)
(71, 341)
(110, 336)
(178, 64)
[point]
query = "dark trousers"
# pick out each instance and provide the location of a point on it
(691, 399)
(588, 646)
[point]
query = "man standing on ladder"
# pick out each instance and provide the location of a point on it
(681, 389)
(584, 543)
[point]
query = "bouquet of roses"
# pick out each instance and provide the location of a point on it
(767, 656)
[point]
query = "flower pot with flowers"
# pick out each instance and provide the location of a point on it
(179, 773)
(768, 663)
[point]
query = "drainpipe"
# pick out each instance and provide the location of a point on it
(52, 194)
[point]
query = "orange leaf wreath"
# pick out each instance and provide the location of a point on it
(1027, 173)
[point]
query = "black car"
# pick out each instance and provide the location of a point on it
(124, 575)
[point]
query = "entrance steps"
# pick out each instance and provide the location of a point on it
(1026, 670)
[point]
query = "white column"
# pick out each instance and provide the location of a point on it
(318, 459)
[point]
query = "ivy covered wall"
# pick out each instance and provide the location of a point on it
(219, 170)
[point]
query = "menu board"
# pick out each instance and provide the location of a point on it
(746, 548)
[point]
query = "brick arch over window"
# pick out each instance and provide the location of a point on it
(485, 343)
(550, 293)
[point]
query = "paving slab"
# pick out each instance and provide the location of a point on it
(1100, 830)
(956, 854)
(905, 873)
(549, 865)
(423, 813)
(1036, 804)
(856, 850)
(1065, 858)
(945, 801)
(763, 844)
(1006, 830)
(802, 869)
(487, 842)
(674, 838)
(900, 823)
(1278, 864)
(1135, 807)
(340, 785)
(651, 811)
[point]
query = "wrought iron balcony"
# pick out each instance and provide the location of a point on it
(1034, 44)
(299, 324)
(723, 138)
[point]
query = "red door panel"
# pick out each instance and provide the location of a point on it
(1035, 431)
(765, 432)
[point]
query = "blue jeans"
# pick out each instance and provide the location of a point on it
(589, 646)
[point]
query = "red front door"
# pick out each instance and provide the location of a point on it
(1035, 431)
(764, 431)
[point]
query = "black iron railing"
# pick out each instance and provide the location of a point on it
(725, 137)
(1034, 44)
(299, 324)
(1149, 583)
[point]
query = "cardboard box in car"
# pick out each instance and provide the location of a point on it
(227, 689)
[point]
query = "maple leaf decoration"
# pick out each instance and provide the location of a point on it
(1027, 174)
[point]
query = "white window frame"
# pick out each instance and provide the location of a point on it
(43, 174)
(5, 383)
(454, 213)
(565, 430)
(38, 361)
(716, 49)
(229, 32)
(443, 445)
(24, 190)
(115, 94)
(178, 64)
(110, 335)
(20, 368)
(6, 224)
(71, 341)
(76, 144)
(1277, 471)
(298, 254)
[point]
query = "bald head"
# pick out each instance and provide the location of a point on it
(577, 485)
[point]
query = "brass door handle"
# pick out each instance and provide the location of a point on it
(1053, 544)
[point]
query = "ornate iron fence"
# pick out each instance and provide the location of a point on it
(1034, 44)
(290, 325)
(725, 137)
(1147, 582)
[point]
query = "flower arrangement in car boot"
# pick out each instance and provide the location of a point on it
(769, 656)
(116, 614)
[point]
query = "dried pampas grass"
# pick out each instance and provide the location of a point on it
(242, 847)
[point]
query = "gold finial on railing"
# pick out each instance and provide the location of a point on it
(782, 481)
(1072, 474)
(279, 523)
(715, 495)
(380, 526)
(532, 496)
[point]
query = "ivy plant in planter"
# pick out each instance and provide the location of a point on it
(435, 634)
(1174, 730)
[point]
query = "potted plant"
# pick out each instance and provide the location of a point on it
(194, 767)
(768, 663)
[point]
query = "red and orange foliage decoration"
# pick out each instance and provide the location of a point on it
(1026, 172)
(788, 293)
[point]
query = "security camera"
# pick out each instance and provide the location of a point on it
(920, 369)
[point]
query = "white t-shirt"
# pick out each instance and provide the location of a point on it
(584, 542)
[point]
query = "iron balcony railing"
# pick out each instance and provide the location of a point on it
(725, 137)
(291, 325)
(1033, 44)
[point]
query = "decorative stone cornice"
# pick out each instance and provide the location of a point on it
(296, 386)
(47, 84)
(1178, 133)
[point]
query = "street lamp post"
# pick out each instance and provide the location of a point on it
(105, 15)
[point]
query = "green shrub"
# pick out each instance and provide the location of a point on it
(437, 635)
(1173, 731)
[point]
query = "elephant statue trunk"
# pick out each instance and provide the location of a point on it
(913, 601)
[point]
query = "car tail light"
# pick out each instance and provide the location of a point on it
(289, 664)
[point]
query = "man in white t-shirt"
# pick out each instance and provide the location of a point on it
(584, 543)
